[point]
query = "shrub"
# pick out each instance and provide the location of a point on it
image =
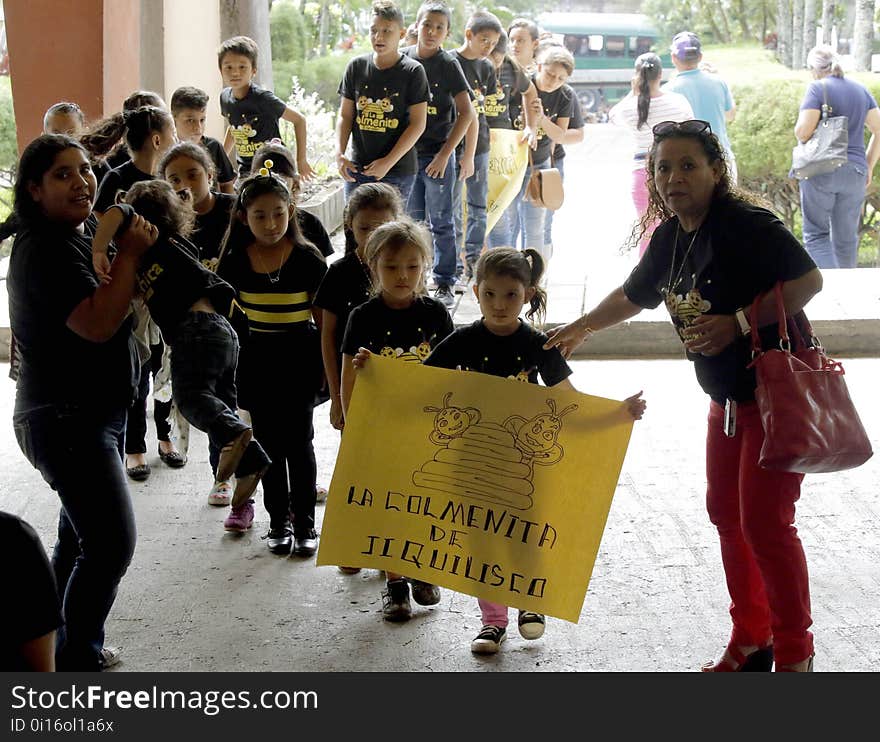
(320, 125)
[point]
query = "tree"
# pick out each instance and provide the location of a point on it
(797, 34)
(809, 26)
(863, 34)
(827, 15)
(783, 17)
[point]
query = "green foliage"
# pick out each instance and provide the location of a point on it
(291, 35)
(320, 75)
(8, 141)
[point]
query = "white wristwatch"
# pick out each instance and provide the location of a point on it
(744, 327)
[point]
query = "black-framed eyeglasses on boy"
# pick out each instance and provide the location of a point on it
(692, 126)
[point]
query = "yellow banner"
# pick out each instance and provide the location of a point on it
(487, 486)
(508, 159)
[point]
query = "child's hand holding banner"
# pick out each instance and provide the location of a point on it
(491, 487)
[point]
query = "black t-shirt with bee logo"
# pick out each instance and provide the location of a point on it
(480, 75)
(557, 104)
(382, 99)
(445, 81)
(519, 356)
(504, 107)
(254, 121)
(738, 252)
(406, 334)
(211, 229)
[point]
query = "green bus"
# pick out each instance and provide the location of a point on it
(605, 46)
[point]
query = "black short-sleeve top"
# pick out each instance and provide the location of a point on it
(253, 119)
(519, 356)
(347, 285)
(50, 274)
(504, 106)
(739, 252)
(211, 229)
(116, 183)
(406, 334)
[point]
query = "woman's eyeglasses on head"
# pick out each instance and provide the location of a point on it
(692, 126)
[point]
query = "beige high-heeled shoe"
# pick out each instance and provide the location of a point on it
(802, 666)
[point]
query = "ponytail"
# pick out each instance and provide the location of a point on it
(538, 304)
(136, 125)
(648, 69)
(103, 136)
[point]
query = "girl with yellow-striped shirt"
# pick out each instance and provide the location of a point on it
(276, 273)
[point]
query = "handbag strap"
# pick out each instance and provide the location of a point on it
(784, 340)
(826, 109)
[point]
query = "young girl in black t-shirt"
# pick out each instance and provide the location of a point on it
(276, 273)
(501, 344)
(348, 283)
(401, 322)
(189, 166)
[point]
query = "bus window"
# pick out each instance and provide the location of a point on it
(643, 44)
(573, 44)
(595, 44)
(615, 46)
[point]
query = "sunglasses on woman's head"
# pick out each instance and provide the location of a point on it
(693, 126)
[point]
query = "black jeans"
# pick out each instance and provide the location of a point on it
(77, 452)
(136, 429)
(285, 430)
(203, 361)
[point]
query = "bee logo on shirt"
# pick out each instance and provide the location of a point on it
(372, 114)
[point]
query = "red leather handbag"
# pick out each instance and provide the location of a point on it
(810, 423)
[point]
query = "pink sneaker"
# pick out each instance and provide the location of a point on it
(240, 518)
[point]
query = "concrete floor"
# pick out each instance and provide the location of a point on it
(196, 598)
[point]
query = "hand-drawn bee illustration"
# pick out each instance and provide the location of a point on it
(488, 462)
(538, 438)
(450, 421)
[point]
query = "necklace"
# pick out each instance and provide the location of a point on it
(268, 274)
(672, 284)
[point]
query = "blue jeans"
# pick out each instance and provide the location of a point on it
(204, 356)
(531, 217)
(548, 215)
(831, 205)
(77, 451)
(477, 193)
(402, 183)
(431, 201)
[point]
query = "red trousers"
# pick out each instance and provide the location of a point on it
(764, 563)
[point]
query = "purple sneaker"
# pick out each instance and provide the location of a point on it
(240, 518)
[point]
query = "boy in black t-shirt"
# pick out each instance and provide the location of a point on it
(188, 106)
(251, 111)
(481, 35)
(383, 108)
(449, 115)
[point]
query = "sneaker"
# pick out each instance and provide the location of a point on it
(425, 593)
(220, 494)
(320, 493)
(240, 518)
(489, 640)
(531, 625)
(246, 486)
(305, 543)
(280, 540)
(110, 656)
(444, 294)
(395, 601)
(471, 270)
(460, 285)
(349, 570)
(231, 453)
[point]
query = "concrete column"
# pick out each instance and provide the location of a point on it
(152, 31)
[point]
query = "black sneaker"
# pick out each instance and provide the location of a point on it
(424, 593)
(489, 640)
(531, 625)
(280, 540)
(444, 294)
(395, 601)
(305, 543)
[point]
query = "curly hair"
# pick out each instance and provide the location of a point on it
(658, 212)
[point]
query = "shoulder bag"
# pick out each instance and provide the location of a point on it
(810, 423)
(825, 150)
(545, 186)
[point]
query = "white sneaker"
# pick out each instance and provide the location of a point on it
(531, 625)
(320, 493)
(110, 656)
(220, 494)
(489, 640)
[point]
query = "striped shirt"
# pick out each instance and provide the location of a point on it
(665, 107)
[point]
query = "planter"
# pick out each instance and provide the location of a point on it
(328, 205)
